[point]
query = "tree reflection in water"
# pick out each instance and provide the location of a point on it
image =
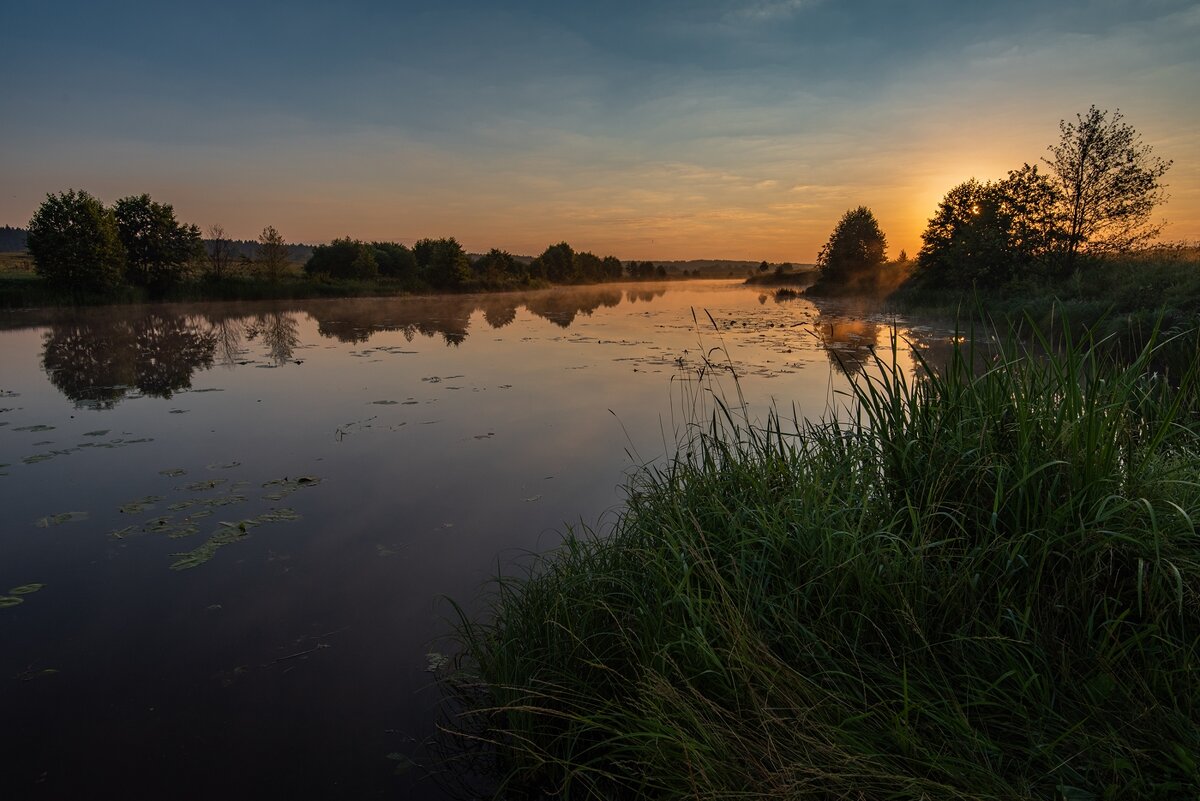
(97, 361)
(279, 332)
(97, 358)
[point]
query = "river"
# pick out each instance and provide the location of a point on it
(229, 530)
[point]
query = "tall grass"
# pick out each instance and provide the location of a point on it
(979, 584)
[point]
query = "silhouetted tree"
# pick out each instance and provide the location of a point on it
(855, 251)
(344, 258)
(499, 267)
(220, 253)
(158, 249)
(986, 234)
(1109, 183)
(75, 243)
(271, 256)
(557, 264)
(395, 260)
(442, 263)
(613, 270)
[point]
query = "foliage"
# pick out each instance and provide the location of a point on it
(556, 264)
(1109, 182)
(345, 258)
(644, 270)
(158, 249)
(442, 263)
(498, 266)
(982, 584)
(987, 234)
(271, 257)
(75, 243)
(1102, 186)
(394, 260)
(855, 251)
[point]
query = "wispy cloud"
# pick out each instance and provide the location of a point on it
(772, 10)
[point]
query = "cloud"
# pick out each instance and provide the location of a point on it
(772, 10)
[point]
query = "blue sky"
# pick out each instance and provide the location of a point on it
(647, 130)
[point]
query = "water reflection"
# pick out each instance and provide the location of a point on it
(99, 357)
(278, 331)
(97, 361)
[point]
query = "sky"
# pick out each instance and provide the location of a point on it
(647, 130)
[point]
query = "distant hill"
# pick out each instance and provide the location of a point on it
(728, 268)
(12, 240)
(248, 247)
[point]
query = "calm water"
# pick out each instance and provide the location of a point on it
(246, 517)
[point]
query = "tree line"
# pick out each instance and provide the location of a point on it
(80, 245)
(1094, 195)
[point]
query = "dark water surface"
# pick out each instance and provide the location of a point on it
(245, 517)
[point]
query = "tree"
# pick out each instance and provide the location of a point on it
(157, 248)
(1109, 183)
(987, 234)
(442, 263)
(588, 267)
(220, 253)
(271, 256)
(75, 244)
(499, 266)
(344, 258)
(394, 260)
(557, 264)
(854, 253)
(613, 268)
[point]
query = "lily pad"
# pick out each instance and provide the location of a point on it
(25, 589)
(282, 514)
(200, 486)
(140, 505)
(37, 428)
(10, 600)
(289, 485)
(99, 433)
(226, 534)
(222, 500)
(225, 466)
(60, 518)
(172, 472)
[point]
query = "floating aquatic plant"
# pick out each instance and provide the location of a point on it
(60, 518)
(140, 505)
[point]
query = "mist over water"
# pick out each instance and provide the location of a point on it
(246, 518)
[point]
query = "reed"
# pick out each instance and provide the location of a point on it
(982, 583)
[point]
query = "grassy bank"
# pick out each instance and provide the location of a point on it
(983, 585)
(1142, 286)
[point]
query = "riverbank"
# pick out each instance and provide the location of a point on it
(1139, 288)
(983, 585)
(21, 288)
